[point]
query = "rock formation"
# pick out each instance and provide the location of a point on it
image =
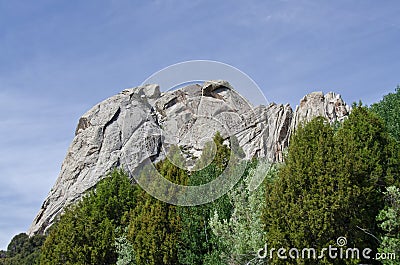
(140, 123)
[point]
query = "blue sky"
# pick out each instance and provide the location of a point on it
(59, 58)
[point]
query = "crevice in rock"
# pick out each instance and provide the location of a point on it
(118, 162)
(212, 94)
(112, 120)
(40, 215)
(170, 103)
(283, 134)
(157, 154)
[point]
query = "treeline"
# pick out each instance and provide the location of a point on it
(336, 181)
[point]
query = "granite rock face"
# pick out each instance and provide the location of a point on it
(141, 123)
(316, 104)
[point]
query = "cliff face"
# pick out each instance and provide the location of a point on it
(141, 123)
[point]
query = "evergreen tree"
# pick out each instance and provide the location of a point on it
(300, 206)
(367, 162)
(23, 250)
(198, 245)
(86, 231)
(389, 110)
(331, 186)
(197, 241)
(389, 219)
(154, 226)
(242, 234)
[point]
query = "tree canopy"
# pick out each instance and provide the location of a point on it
(331, 184)
(389, 110)
(86, 232)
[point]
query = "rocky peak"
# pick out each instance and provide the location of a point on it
(139, 123)
(330, 106)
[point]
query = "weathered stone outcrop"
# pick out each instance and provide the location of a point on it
(316, 104)
(140, 123)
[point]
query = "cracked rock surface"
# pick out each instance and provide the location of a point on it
(139, 124)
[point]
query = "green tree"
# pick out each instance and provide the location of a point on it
(23, 250)
(300, 207)
(154, 226)
(197, 241)
(389, 110)
(85, 233)
(242, 235)
(389, 221)
(367, 162)
(215, 152)
(198, 245)
(17, 244)
(331, 186)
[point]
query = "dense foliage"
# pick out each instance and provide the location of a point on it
(330, 186)
(23, 250)
(86, 232)
(120, 223)
(390, 224)
(154, 225)
(198, 245)
(166, 234)
(389, 109)
(241, 235)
